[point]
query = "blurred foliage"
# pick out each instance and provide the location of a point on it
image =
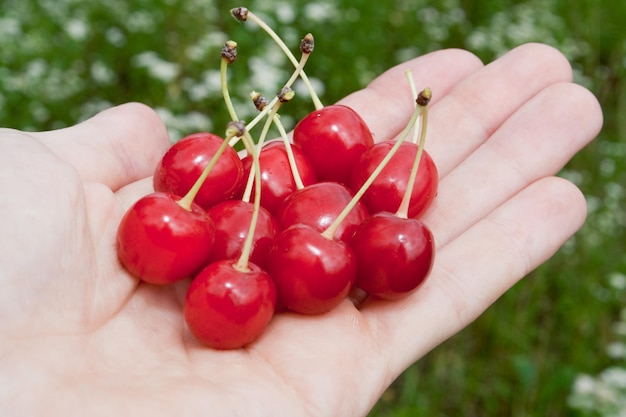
(64, 60)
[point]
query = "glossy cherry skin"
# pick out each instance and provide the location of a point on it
(232, 222)
(313, 274)
(318, 205)
(277, 180)
(161, 242)
(394, 255)
(333, 138)
(183, 163)
(387, 191)
(226, 308)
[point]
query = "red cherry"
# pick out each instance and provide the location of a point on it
(232, 222)
(387, 191)
(161, 242)
(333, 138)
(318, 205)
(394, 255)
(183, 163)
(277, 180)
(313, 274)
(226, 308)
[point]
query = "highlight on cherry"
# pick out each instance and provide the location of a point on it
(294, 224)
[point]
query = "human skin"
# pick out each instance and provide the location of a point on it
(80, 336)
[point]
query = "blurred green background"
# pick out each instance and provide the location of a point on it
(555, 345)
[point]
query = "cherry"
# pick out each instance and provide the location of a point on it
(333, 138)
(231, 301)
(313, 273)
(394, 255)
(161, 242)
(318, 205)
(228, 308)
(163, 238)
(387, 191)
(184, 161)
(277, 180)
(394, 252)
(232, 219)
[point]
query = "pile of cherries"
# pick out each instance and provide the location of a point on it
(285, 225)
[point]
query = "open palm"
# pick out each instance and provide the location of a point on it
(79, 336)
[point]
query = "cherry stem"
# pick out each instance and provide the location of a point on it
(330, 231)
(422, 102)
(286, 94)
(243, 14)
(261, 103)
(242, 263)
(229, 55)
(290, 157)
(234, 129)
(414, 94)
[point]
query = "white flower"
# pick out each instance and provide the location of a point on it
(584, 384)
(616, 350)
(614, 377)
(319, 11)
(285, 13)
(157, 68)
(617, 280)
(9, 27)
(102, 74)
(140, 21)
(115, 36)
(76, 29)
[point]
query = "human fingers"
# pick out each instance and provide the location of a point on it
(537, 141)
(469, 101)
(474, 269)
(386, 103)
(42, 208)
(116, 147)
(129, 194)
(478, 106)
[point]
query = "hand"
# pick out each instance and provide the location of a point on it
(82, 337)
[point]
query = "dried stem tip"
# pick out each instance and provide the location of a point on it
(229, 51)
(235, 128)
(307, 44)
(424, 97)
(259, 101)
(286, 94)
(240, 13)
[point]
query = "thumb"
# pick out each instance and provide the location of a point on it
(116, 147)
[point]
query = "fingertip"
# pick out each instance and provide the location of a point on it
(429, 69)
(547, 56)
(386, 103)
(137, 121)
(117, 146)
(570, 200)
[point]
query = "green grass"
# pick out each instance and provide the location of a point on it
(63, 60)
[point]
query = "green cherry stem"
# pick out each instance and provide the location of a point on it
(229, 55)
(297, 178)
(414, 94)
(260, 102)
(242, 263)
(422, 102)
(330, 231)
(286, 94)
(264, 106)
(234, 129)
(243, 14)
